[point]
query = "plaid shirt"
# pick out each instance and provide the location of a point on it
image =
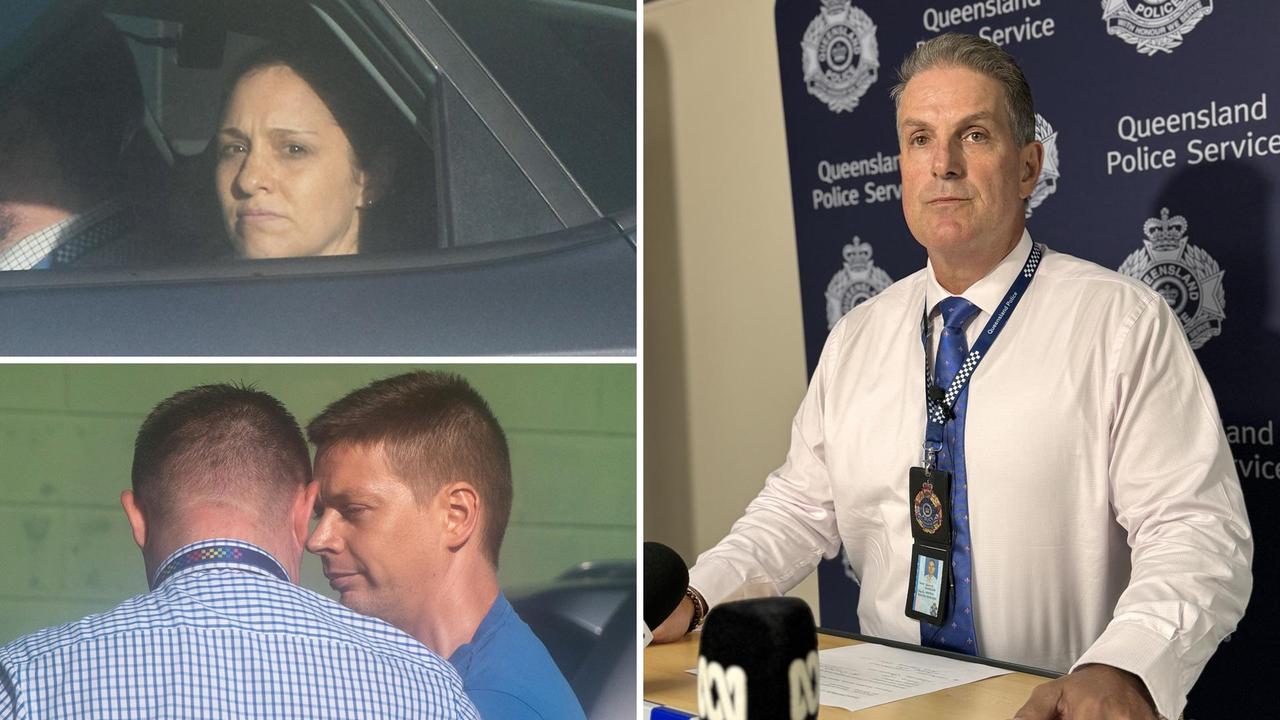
(227, 639)
(63, 242)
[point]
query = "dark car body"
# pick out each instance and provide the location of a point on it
(531, 246)
(587, 620)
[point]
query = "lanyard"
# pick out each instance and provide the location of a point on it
(939, 405)
(219, 554)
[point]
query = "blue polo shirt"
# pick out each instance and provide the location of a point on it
(508, 672)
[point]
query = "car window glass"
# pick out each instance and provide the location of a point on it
(488, 196)
(570, 67)
(452, 181)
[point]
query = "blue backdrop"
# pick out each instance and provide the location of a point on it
(1161, 124)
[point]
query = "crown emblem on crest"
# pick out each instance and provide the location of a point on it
(1166, 234)
(856, 282)
(857, 255)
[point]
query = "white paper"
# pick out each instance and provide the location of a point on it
(862, 676)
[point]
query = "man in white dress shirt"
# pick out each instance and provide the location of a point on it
(1092, 444)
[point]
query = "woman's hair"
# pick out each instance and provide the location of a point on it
(375, 130)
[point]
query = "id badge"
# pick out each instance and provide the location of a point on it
(929, 584)
(931, 506)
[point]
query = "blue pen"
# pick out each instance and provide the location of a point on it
(665, 713)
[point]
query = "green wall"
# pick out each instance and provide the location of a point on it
(66, 439)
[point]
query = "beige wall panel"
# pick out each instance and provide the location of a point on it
(724, 351)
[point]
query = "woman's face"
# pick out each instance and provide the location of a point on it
(287, 179)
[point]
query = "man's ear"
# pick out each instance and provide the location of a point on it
(462, 513)
(136, 520)
(304, 503)
(1032, 162)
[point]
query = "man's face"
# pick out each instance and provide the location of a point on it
(964, 176)
(381, 549)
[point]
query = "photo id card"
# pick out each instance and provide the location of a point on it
(929, 584)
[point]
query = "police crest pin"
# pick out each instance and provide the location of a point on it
(927, 509)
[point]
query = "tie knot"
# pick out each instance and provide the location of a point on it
(956, 311)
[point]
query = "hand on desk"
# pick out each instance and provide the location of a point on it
(1092, 692)
(677, 623)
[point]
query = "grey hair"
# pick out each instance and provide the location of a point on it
(982, 56)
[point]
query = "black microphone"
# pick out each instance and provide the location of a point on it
(665, 580)
(758, 660)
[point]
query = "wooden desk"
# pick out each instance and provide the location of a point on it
(667, 683)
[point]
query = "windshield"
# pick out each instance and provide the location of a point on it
(569, 65)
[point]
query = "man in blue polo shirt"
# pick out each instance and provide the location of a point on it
(220, 505)
(415, 493)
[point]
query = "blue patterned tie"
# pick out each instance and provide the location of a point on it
(957, 632)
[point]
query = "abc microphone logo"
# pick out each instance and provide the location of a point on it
(802, 677)
(758, 660)
(722, 693)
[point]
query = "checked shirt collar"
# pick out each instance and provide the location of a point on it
(65, 241)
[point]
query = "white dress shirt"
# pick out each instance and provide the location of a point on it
(1107, 521)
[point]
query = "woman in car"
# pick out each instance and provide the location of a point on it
(303, 161)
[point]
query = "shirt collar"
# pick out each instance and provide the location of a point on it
(990, 290)
(461, 657)
(32, 250)
(186, 550)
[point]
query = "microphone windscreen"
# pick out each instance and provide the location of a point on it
(665, 579)
(758, 660)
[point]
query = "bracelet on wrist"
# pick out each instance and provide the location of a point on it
(699, 609)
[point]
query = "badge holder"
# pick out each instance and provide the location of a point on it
(929, 579)
(930, 584)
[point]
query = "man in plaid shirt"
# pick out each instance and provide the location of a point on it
(221, 499)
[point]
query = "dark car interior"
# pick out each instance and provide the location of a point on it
(459, 181)
(516, 229)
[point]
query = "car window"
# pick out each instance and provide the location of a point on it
(441, 175)
(570, 67)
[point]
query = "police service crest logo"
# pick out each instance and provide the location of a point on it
(855, 283)
(1048, 182)
(927, 509)
(1153, 26)
(840, 55)
(1184, 275)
